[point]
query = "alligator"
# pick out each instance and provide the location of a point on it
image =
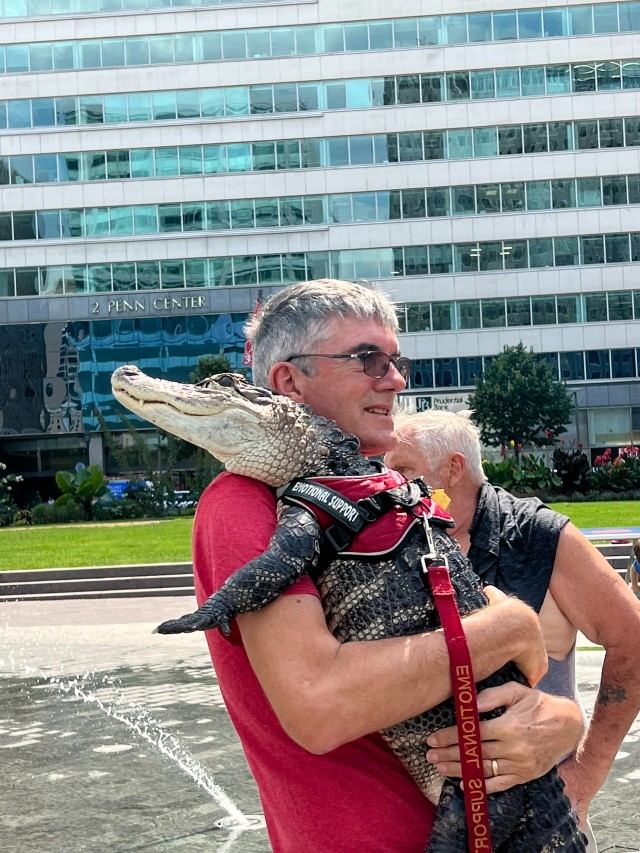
(260, 434)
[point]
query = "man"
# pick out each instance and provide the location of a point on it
(306, 708)
(530, 551)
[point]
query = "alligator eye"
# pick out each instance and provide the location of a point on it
(225, 380)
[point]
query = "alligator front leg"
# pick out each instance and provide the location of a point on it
(294, 550)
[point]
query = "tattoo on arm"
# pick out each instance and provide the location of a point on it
(609, 693)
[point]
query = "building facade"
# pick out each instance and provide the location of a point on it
(163, 165)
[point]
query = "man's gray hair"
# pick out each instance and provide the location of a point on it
(298, 318)
(440, 434)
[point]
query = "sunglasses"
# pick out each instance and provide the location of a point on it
(375, 363)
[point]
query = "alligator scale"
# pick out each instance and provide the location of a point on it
(369, 580)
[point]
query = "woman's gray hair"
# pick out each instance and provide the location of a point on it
(298, 318)
(440, 434)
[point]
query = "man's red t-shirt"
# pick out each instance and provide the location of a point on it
(358, 796)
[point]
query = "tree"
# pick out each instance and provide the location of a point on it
(7, 504)
(84, 487)
(517, 402)
(208, 365)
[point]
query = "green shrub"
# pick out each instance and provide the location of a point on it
(117, 510)
(527, 476)
(54, 514)
(22, 518)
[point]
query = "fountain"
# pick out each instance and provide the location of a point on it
(111, 740)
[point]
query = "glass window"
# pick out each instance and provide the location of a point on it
(336, 95)
(623, 363)
(148, 275)
(605, 18)
(22, 170)
(592, 252)
(139, 106)
(560, 136)
(614, 190)
(631, 75)
(46, 168)
(458, 88)
(589, 192)
(356, 37)
(485, 142)
(438, 202)
(41, 57)
(166, 164)
(218, 216)
(616, 248)
(115, 108)
(164, 105)
(193, 217)
(435, 144)
(464, 200)
(490, 256)
(558, 79)
(340, 208)
(380, 35)
(468, 314)
(479, 26)
(543, 310)
(124, 277)
(566, 251)
(260, 100)
(429, 30)
(454, 29)
(514, 254)
(632, 131)
(48, 225)
(460, 143)
(541, 252)
(188, 103)
(488, 198)
(532, 80)
(510, 140)
(145, 219)
(505, 26)
(418, 317)
(493, 314)
(587, 134)
(416, 260)
(413, 204)
(530, 24)
(172, 274)
(598, 364)
(483, 84)
(519, 312)
(535, 138)
(16, 58)
(285, 97)
(170, 218)
(137, 51)
(234, 45)
(410, 147)
(571, 365)
(443, 316)
(633, 182)
(283, 42)
(580, 20)
(289, 155)
(569, 309)
(508, 82)
(583, 77)
(315, 207)
(620, 305)
(113, 53)
(338, 151)
(422, 373)
(99, 278)
(360, 150)
(611, 133)
(608, 76)
(563, 194)
(405, 32)
(64, 56)
(466, 257)
(446, 372)
(513, 196)
(27, 281)
(554, 22)
(142, 163)
(184, 45)
(432, 87)
(291, 211)
(408, 88)
(440, 259)
(18, 114)
(470, 369)
(236, 101)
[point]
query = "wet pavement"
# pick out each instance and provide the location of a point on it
(115, 739)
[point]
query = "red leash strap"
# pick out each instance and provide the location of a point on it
(436, 568)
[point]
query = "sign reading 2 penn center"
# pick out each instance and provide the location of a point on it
(147, 305)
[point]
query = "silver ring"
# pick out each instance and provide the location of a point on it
(494, 768)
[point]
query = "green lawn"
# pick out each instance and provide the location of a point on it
(113, 544)
(169, 540)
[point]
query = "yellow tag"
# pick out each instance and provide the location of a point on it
(441, 498)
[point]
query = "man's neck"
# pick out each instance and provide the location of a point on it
(464, 502)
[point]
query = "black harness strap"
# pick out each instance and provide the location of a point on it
(351, 516)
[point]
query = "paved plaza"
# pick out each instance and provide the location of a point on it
(116, 739)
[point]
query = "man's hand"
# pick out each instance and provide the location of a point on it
(533, 734)
(579, 786)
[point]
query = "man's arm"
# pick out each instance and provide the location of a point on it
(326, 693)
(598, 602)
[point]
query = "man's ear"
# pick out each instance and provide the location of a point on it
(286, 379)
(457, 466)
